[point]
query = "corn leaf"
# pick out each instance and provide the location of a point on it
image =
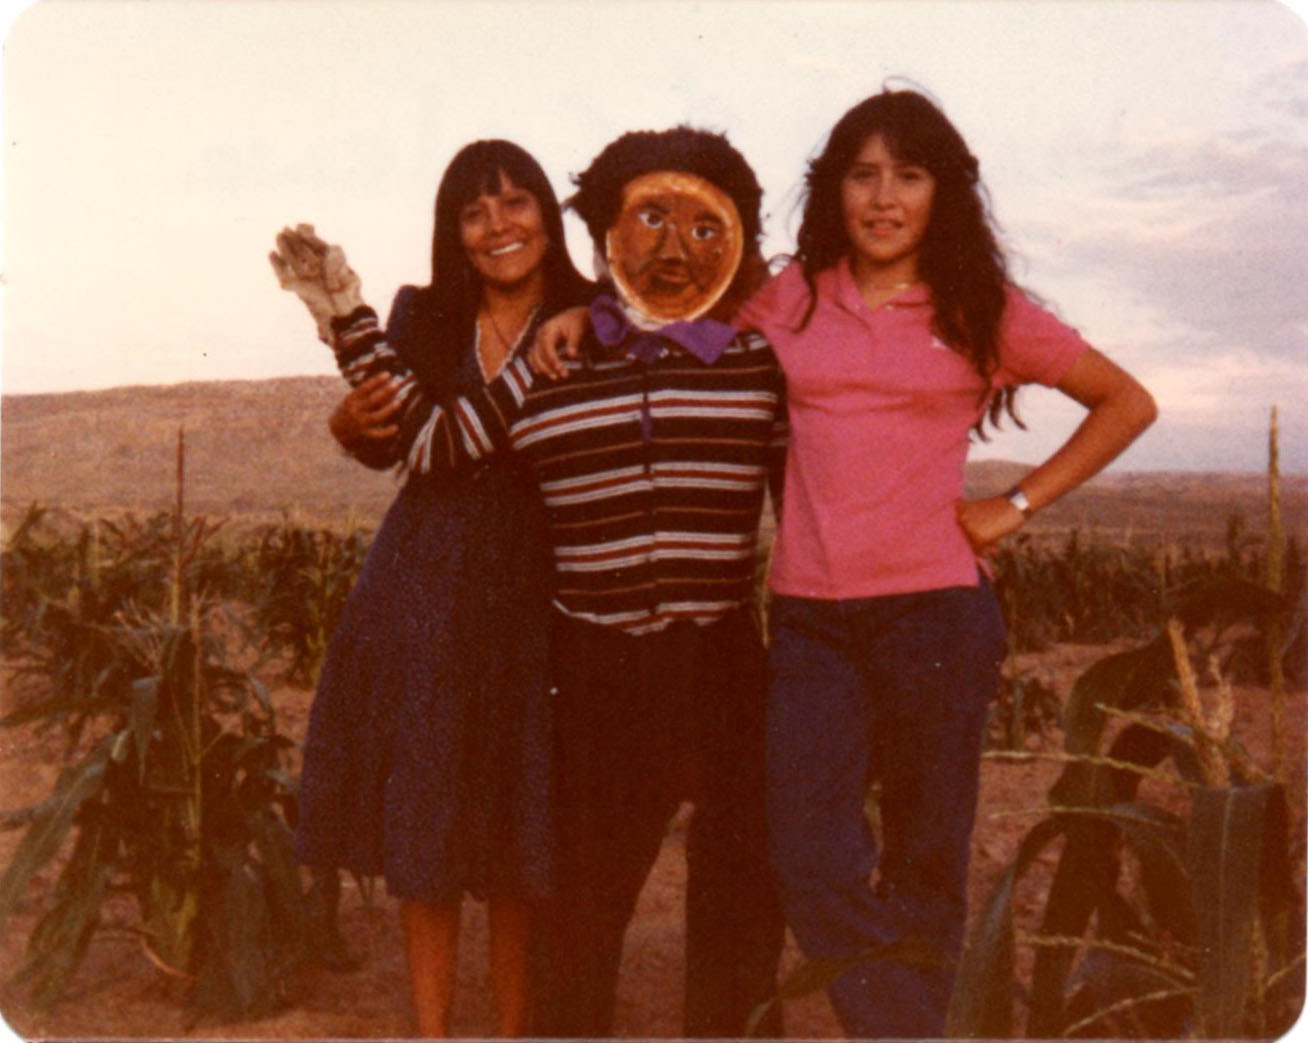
(1085, 880)
(1118, 996)
(1182, 751)
(59, 939)
(1279, 898)
(233, 973)
(1158, 840)
(145, 704)
(982, 1002)
(1125, 681)
(45, 836)
(56, 707)
(198, 827)
(1157, 837)
(1220, 601)
(281, 872)
(1225, 851)
(170, 909)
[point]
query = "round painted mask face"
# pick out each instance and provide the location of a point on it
(675, 245)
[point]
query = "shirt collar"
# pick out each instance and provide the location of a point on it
(849, 297)
(705, 339)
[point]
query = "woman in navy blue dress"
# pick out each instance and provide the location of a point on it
(427, 756)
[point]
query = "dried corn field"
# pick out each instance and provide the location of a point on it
(158, 678)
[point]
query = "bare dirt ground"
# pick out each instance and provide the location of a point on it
(118, 994)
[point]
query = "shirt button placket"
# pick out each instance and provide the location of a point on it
(651, 490)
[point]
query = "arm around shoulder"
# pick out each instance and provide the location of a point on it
(363, 423)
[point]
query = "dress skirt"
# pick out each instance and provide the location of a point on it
(427, 755)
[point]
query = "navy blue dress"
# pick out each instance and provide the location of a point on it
(427, 756)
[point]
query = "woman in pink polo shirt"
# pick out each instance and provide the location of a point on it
(900, 333)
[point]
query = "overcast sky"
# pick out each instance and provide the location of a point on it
(1147, 161)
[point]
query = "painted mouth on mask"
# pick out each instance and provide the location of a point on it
(671, 277)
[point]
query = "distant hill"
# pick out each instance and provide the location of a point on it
(257, 448)
(252, 447)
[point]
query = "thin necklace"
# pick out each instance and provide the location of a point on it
(875, 296)
(890, 287)
(509, 347)
(504, 341)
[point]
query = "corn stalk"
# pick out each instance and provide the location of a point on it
(1275, 581)
(1195, 930)
(174, 788)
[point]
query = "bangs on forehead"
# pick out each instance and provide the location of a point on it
(495, 181)
(900, 145)
(487, 181)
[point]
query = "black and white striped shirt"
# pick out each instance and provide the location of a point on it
(651, 521)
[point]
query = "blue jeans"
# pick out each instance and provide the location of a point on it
(891, 689)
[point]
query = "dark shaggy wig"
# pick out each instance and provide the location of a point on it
(960, 259)
(429, 326)
(598, 199)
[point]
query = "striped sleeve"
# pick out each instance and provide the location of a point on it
(779, 436)
(777, 450)
(445, 436)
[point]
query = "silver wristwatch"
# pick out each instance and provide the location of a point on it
(1018, 499)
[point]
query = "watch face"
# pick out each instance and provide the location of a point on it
(675, 245)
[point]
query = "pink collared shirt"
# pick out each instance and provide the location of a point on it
(880, 415)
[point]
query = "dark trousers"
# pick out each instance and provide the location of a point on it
(641, 724)
(890, 688)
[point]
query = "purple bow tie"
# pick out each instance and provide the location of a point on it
(706, 339)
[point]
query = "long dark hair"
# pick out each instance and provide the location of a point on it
(959, 260)
(429, 326)
(476, 170)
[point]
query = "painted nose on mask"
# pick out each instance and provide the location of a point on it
(671, 248)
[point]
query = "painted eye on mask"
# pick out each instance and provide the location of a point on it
(684, 267)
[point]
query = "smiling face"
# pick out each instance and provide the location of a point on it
(675, 245)
(887, 206)
(504, 236)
